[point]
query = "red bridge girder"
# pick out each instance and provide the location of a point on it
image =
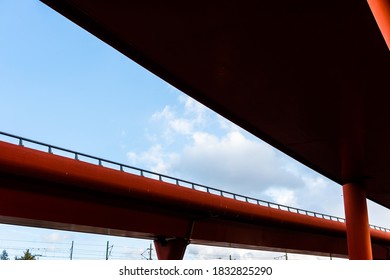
(46, 190)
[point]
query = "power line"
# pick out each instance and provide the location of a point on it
(33, 241)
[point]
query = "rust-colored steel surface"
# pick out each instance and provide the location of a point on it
(172, 249)
(381, 11)
(358, 230)
(46, 190)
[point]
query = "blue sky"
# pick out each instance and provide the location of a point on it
(63, 86)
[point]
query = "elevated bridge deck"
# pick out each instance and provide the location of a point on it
(89, 194)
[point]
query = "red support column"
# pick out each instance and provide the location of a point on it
(172, 249)
(358, 228)
(381, 12)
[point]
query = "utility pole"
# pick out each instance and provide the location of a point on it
(285, 256)
(71, 251)
(150, 253)
(108, 249)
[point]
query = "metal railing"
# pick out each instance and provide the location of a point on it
(22, 141)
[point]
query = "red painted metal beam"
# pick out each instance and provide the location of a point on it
(45, 190)
(91, 178)
(171, 249)
(381, 12)
(358, 228)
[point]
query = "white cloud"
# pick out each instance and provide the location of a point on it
(154, 159)
(379, 215)
(282, 196)
(133, 157)
(197, 145)
(193, 107)
(166, 113)
(233, 162)
(315, 184)
(56, 237)
(182, 126)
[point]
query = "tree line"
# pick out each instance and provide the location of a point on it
(26, 256)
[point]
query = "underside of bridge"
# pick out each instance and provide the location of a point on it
(308, 77)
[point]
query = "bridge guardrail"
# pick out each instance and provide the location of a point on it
(21, 141)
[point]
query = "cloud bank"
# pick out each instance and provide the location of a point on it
(193, 143)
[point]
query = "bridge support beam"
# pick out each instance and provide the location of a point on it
(358, 229)
(381, 12)
(170, 249)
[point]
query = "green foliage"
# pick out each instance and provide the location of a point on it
(4, 256)
(27, 256)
